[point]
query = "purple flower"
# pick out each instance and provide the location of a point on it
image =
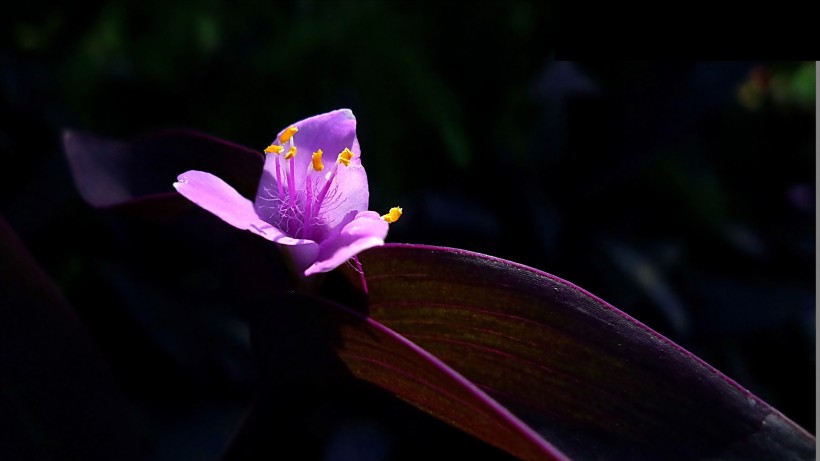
(312, 196)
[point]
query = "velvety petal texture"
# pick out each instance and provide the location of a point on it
(331, 133)
(216, 196)
(359, 232)
(312, 196)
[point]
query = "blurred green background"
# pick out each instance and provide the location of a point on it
(681, 192)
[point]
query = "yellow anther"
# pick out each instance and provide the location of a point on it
(274, 149)
(287, 134)
(345, 156)
(393, 215)
(317, 160)
(291, 153)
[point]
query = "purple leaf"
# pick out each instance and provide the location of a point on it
(296, 336)
(111, 173)
(594, 382)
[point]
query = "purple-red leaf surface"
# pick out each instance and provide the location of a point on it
(112, 173)
(299, 346)
(591, 380)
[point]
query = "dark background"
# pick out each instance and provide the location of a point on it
(680, 192)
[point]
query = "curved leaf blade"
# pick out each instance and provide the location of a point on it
(113, 173)
(376, 354)
(594, 382)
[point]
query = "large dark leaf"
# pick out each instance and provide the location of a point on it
(111, 173)
(308, 350)
(58, 400)
(594, 382)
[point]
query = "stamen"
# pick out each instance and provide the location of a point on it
(291, 176)
(279, 179)
(393, 215)
(328, 181)
(317, 160)
(344, 159)
(287, 134)
(273, 148)
(345, 156)
(308, 209)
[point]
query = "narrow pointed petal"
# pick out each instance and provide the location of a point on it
(216, 196)
(356, 233)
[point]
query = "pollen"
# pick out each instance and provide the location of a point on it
(345, 156)
(393, 215)
(273, 148)
(317, 160)
(287, 134)
(291, 153)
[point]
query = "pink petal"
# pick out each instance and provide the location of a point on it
(301, 256)
(216, 196)
(351, 191)
(332, 132)
(357, 232)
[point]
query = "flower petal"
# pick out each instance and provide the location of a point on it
(216, 196)
(357, 232)
(331, 132)
(301, 256)
(349, 192)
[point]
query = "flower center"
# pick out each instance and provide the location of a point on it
(297, 209)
